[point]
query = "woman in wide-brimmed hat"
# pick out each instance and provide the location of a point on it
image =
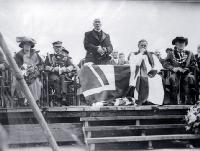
(29, 62)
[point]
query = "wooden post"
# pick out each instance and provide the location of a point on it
(28, 94)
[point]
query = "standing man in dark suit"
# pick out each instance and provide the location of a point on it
(98, 45)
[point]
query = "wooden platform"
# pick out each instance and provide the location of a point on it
(67, 122)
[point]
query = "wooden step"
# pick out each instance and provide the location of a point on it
(33, 133)
(141, 138)
(132, 117)
(132, 127)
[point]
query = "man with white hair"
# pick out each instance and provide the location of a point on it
(98, 45)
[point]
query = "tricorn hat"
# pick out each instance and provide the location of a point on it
(181, 40)
(57, 43)
(24, 40)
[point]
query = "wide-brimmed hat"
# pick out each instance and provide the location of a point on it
(181, 40)
(24, 40)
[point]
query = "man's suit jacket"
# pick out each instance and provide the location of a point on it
(91, 43)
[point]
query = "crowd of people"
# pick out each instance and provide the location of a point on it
(147, 68)
(58, 66)
(147, 80)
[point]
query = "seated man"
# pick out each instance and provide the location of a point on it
(60, 68)
(181, 63)
(145, 83)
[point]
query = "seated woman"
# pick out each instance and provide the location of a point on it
(145, 82)
(29, 62)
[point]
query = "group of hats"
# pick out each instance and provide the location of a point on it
(32, 42)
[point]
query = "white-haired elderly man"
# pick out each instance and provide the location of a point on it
(98, 45)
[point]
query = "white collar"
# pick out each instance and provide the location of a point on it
(97, 30)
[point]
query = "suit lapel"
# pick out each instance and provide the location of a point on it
(95, 35)
(103, 36)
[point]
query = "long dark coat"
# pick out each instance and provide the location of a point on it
(91, 43)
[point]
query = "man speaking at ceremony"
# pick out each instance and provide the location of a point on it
(98, 45)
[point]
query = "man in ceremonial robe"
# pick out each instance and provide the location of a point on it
(98, 45)
(181, 64)
(145, 83)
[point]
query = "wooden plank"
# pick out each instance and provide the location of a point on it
(133, 127)
(103, 108)
(141, 138)
(83, 111)
(113, 108)
(32, 133)
(131, 117)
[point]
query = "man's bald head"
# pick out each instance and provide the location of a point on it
(97, 24)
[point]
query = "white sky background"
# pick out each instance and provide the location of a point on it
(126, 21)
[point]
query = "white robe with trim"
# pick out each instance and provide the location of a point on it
(156, 91)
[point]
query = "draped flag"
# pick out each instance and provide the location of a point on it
(104, 82)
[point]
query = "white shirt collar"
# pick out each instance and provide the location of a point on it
(97, 30)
